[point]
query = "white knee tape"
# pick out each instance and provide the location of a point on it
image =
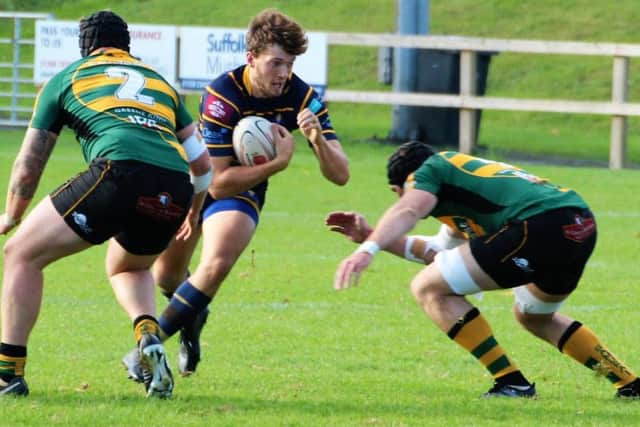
(529, 303)
(451, 265)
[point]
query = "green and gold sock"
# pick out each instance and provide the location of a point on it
(474, 334)
(13, 358)
(580, 343)
(145, 324)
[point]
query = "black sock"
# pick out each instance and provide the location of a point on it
(513, 378)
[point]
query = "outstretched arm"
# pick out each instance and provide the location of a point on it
(398, 220)
(416, 248)
(25, 175)
(354, 226)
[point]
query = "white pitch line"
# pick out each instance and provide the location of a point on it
(618, 214)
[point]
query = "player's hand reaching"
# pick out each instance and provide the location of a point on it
(189, 225)
(348, 273)
(352, 224)
(284, 144)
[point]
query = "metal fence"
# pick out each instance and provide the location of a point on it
(17, 90)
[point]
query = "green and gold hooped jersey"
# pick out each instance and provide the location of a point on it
(118, 107)
(478, 196)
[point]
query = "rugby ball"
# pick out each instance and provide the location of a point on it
(253, 141)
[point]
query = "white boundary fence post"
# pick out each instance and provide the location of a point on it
(619, 93)
(467, 135)
(469, 103)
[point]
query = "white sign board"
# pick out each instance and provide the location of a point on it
(207, 52)
(56, 46)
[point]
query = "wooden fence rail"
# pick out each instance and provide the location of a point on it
(467, 100)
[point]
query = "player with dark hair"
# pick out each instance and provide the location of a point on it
(503, 228)
(141, 146)
(265, 86)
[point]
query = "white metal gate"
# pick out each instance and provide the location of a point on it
(17, 89)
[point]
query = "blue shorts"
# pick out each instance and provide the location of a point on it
(250, 202)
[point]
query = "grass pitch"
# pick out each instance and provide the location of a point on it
(282, 348)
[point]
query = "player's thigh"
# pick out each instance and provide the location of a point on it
(43, 237)
(454, 271)
(225, 235)
(173, 263)
(119, 260)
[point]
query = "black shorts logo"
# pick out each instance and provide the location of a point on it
(580, 230)
(160, 208)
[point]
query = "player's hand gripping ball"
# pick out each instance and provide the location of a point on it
(253, 141)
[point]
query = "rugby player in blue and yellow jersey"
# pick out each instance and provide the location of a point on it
(265, 86)
(502, 228)
(141, 146)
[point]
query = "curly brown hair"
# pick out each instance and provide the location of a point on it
(273, 27)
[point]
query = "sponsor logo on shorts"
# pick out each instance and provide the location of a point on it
(160, 208)
(580, 230)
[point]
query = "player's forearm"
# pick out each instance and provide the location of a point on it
(27, 170)
(238, 179)
(397, 247)
(391, 229)
(400, 218)
(333, 161)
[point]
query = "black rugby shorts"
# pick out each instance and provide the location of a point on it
(139, 204)
(550, 249)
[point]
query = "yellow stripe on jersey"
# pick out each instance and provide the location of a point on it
(92, 82)
(245, 80)
(459, 159)
(219, 145)
(85, 84)
(108, 103)
(209, 119)
(306, 97)
(488, 170)
(175, 145)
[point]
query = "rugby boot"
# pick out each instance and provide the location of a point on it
(189, 353)
(506, 390)
(630, 391)
(131, 362)
(157, 377)
(17, 386)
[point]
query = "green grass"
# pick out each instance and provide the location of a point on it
(510, 75)
(282, 348)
